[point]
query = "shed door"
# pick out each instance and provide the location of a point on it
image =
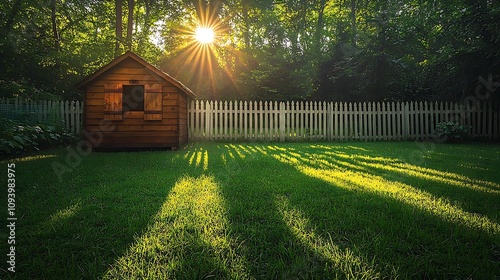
(113, 101)
(153, 102)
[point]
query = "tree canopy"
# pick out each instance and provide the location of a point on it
(340, 50)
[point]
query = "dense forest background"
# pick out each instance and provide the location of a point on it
(342, 50)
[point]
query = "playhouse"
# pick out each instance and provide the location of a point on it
(130, 103)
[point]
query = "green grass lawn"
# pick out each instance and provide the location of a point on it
(264, 211)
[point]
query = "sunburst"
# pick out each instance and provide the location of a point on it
(199, 58)
(204, 35)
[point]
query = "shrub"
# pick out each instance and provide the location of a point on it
(451, 132)
(18, 137)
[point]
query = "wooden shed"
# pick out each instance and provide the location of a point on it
(129, 103)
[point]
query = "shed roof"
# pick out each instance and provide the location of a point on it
(143, 62)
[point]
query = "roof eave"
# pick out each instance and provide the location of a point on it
(178, 84)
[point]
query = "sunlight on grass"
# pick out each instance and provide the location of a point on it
(356, 180)
(61, 216)
(437, 176)
(261, 150)
(199, 156)
(288, 211)
(189, 233)
(395, 165)
(205, 160)
(35, 157)
(337, 147)
(345, 261)
(191, 159)
(345, 155)
(248, 149)
(229, 152)
(237, 150)
(327, 160)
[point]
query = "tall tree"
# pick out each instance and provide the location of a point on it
(319, 27)
(118, 27)
(130, 24)
(353, 22)
(53, 17)
(11, 15)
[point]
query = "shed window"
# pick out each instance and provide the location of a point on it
(133, 98)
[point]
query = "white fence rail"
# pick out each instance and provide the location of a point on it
(68, 112)
(295, 121)
(322, 121)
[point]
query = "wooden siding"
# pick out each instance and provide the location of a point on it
(183, 119)
(164, 125)
(153, 102)
(113, 101)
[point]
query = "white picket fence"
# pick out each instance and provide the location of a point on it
(333, 121)
(295, 121)
(68, 112)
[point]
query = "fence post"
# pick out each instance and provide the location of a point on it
(329, 121)
(208, 117)
(406, 121)
(79, 112)
(282, 122)
(216, 120)
(190, 119)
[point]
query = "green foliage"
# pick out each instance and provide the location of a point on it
(17, 137)
(347, 50)
(451, 132)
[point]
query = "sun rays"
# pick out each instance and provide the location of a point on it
(201, 51)
(193, 219)
(204, 35)
(220, 211)
(339, 172)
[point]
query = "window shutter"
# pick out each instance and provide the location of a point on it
(152, 102)
(113, 101)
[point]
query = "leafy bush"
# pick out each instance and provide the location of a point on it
(18, 137)
(451, 132)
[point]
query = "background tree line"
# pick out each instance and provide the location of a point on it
(342, 50)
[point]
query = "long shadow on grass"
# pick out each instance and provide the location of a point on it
(199, 233)
(278, 240)
(188, 238)
(293, 215)
(76, 228)
(472, 194)
(242, 211)
(361, 177)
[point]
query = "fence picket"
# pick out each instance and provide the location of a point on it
(65, 112)
(284, 121)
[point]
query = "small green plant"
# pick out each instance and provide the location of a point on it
(451, 132)
(18, 137)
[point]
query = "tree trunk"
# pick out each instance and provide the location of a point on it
(246, 35)
(146, 26)
(319, 28)
(16, 8)
(119, 29)
(53, 17)
(353, 23)
(130, 24)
